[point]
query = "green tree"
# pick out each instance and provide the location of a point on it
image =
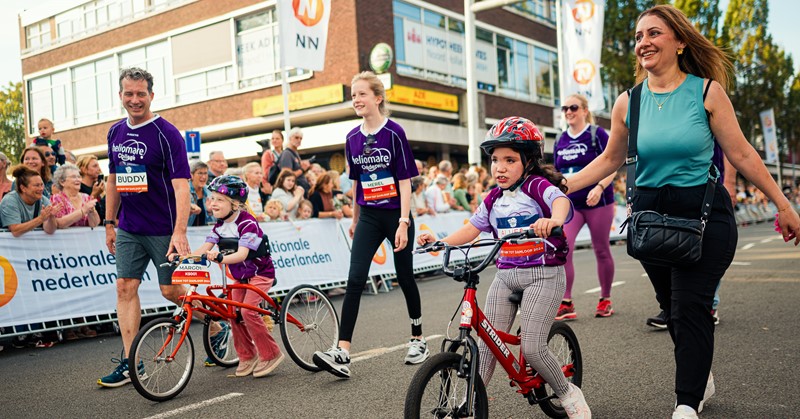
(705, 15)
(12, 130)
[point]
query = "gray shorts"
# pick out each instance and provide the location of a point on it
(135, 251)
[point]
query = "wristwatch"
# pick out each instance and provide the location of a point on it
(109, 222)
(404, 220)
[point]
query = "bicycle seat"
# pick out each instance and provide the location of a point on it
(515, 297)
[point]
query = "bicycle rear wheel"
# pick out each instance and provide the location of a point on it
(220, 346)
(436, 391)
(320, 325)
(564, 345)
(159, 378)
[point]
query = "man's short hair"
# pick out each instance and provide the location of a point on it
(295, 131)
(445, 166)
(136, 73)
(214, 153)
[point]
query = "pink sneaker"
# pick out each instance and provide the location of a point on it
(566, 311)
(604, 308)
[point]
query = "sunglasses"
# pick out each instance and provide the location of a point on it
(573, 108)
(49, 153)
(368, 145)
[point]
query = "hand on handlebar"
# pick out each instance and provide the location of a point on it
(544, 227)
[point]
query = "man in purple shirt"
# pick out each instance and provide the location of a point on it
(148, 187)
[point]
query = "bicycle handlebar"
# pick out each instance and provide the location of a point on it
(513, 238)
(178, 259)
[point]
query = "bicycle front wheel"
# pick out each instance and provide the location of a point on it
(219, 347)
(158, 376)
(436, 391)
(318, 328)
(564, 345)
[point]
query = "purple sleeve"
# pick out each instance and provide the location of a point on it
(213, 237)
(602, 138)
(406, 166)
(177, 160)
(550, 194)
(249, 234)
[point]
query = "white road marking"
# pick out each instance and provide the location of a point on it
(613, 284)
(741, 263)
(768, 240)
(195, 406)
(748, 246)
(372, 353)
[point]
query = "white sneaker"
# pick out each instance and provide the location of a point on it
(575, 404)
(335, 360)
(710, 390)
(684, 412)
(417, 351)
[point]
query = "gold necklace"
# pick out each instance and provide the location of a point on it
(661, 105)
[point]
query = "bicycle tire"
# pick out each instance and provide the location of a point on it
(162, 380)
(564, 345)
(227, 356)
(438, 374)
(314, 310)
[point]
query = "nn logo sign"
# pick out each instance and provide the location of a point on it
(304, 32)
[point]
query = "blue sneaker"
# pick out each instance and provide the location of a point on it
(121, 374)
(219, 343)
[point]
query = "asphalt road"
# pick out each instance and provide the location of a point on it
(628, 367)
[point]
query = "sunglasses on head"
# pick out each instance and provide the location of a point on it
(368, 145)
(573, 108)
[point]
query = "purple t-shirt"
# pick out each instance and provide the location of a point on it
(573, 154)
(246, 229)
(378, 162)
(144, 159)
(504, 212)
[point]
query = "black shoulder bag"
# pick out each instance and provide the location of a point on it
(657, 238)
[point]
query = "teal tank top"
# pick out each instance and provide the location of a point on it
(675, 143)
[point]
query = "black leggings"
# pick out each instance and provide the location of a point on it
(375, 225)
(686, 293)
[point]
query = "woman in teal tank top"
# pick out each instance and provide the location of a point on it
(676, 130)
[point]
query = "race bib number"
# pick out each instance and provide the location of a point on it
(131, 179)
(378, 185)
(191, 273)
(514, 224)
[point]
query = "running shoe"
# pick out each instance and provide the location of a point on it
(566, 311)
(658, 321)
(710, 390)
(219, 343)
(575, 404)
(246, 368)
(684, 412)
(417, 351)
(121, 374)
(335, 360)
(715, 315)
(604, 308)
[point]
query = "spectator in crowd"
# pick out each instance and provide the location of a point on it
(310, 177)
(317, 169)
(419, 205)
(460, 193)
(420, 166)
(446, 170)
(199, 213)
(290, 158)
(288, 192)
(5, 182)
(273, 209)
(340, 200)
(345, 183)
(433, 171)
(49, 158)
(217, 165)
(269, 158)
(253, 177)
(71, 157)
(435, 195)
(92, 182)
(322, 198)
(26, 207)
(33, 157)
(45, 138)
(74, 207)
(305, 209)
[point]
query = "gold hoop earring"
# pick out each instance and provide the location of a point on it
(680, 51)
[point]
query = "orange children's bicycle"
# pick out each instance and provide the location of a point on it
(163, 348)
(448, 384)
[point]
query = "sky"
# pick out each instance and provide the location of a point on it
(782, 25)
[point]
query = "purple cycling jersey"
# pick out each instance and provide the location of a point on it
(504, 212)
(378, 162)
(571, 154)
(144, 159)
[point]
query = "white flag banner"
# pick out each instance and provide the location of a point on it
(770, 136)
(304, 32)
(581, 40)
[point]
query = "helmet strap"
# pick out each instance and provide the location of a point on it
(519, 181)
(225, 218)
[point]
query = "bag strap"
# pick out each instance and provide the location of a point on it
(593, 132)
(36, 207)
(633, 136)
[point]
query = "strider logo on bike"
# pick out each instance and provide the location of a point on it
(496, 339)
(514, 224)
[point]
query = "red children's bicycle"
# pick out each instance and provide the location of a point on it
(448, 384)
(163, 348)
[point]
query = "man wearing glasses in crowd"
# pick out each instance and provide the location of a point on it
(217, 165)
(290, 159)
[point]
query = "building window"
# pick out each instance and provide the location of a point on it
(257, 49)
(546, 68)
(38, 34)
(48, 98)
(95, 87)
(204, 84)
(541, 9)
